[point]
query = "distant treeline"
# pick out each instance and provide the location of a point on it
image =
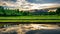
(8, 12)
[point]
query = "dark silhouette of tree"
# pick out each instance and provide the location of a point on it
(2, 9)
(25, 13)
(58, 11)
(18, 10)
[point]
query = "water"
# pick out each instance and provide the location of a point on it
(31, 29)
(44, 32)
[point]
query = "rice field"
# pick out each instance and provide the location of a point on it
(46, 18)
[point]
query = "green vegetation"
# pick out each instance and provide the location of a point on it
(8, 12)
(31, 17)
(58, 11)
(47, 18)
(7, 15)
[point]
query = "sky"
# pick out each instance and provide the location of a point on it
(44, 1)
(31, 4)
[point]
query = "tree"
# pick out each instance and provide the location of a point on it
(25, 13)
(17, 10)
(2, 10)
(58, 11)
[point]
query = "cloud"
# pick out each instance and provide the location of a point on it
(9, 0)
(31, 4)
(43, 1)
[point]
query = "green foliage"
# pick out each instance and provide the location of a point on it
(2, 10)
(52, 13)
(58, 11)
(12, 12)
(25, 13)
(8, 12)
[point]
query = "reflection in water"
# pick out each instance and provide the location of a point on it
(43, 32)
(31, 29)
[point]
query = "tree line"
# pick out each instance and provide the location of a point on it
(8, 12)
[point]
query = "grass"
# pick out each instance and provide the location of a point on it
(48, 18)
